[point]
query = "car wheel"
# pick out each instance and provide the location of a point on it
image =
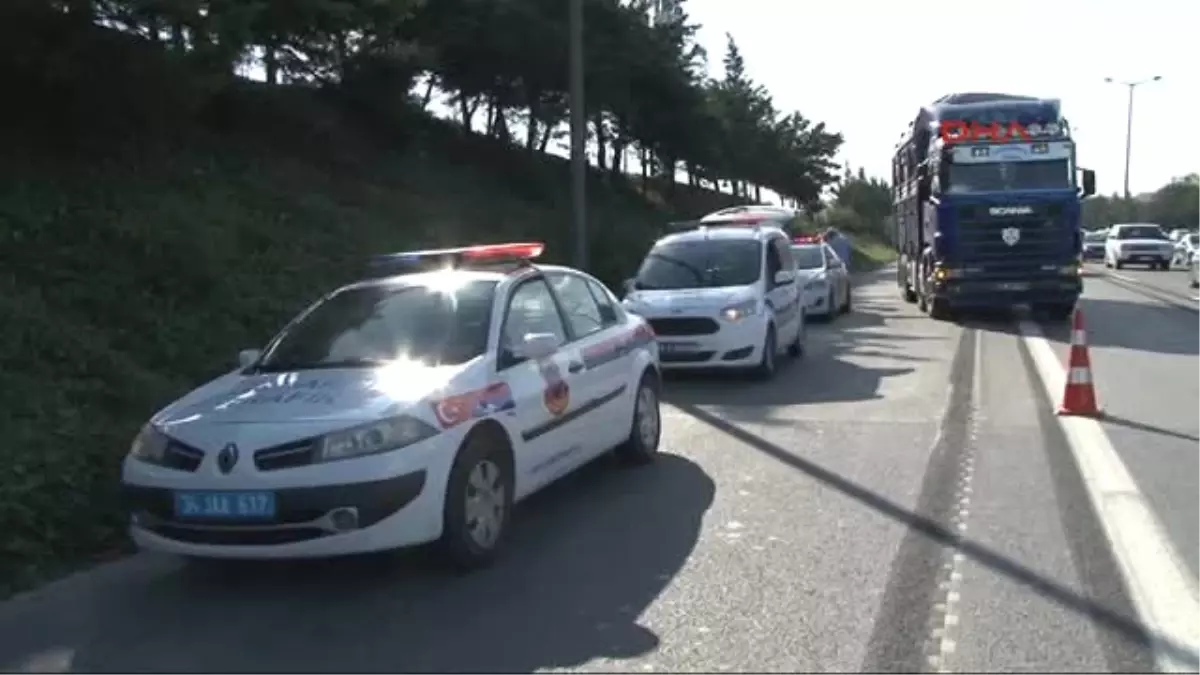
(645, 429)
(849, 295)
(766, 365)
(479, 499)
(831, 306)
(1118, 264)
(796, 349)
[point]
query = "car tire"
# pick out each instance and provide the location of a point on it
(1117, 264)
(796, 349)
(767, 365)
(849, 295)
(939, 309)
(645, 428)
(483, 463)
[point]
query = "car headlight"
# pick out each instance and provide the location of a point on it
(373, 438)
(150, 445)
(740, 311)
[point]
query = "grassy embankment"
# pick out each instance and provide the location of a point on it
(149, 232)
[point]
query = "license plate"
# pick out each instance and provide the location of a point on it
(225, 505)
(1014, 286)
(676, 347)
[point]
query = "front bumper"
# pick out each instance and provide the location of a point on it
(734, 344)
(1145, 257)
(1001, 293)
(381, 502)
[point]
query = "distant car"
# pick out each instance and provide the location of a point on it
(1177, 233)
(1185, 249)
(1138, 244)
(1093, 245)
(722, 293)
(400, 410)
(1194, 273)
(823, 276)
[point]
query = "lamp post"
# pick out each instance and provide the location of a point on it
(1129, 121)
(578, 132)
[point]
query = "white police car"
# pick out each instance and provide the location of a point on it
(823, 277)
(722, 293)
(400, 410)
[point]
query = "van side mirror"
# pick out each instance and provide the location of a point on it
(1089, 183)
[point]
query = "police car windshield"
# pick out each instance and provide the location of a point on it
(1140, 232)
(1094, 236)
(1053, 174)
(808, 257)
(701, 263)
(371, 325)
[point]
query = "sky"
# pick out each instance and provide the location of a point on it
(865, 67)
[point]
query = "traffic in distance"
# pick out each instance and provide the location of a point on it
(419, 403)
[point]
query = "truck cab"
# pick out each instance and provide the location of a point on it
(991, 220)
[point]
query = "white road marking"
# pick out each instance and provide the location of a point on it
(1163, 592)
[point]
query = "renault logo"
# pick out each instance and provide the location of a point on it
(227, 458)
(1010, 235)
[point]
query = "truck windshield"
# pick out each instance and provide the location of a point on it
(704, 263)
(1054, 174)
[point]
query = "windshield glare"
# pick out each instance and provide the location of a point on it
(1141, 232)
(707, 263)
(998, 176)
(808, 257)
(368, 325)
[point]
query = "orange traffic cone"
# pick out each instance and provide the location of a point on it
(1079, 396)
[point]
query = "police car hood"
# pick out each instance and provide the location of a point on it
(679, 300)
(319, 398)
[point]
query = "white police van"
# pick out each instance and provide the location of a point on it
(722, 292)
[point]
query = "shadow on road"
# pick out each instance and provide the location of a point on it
(944, 536)
(1137, 326)
(589, 555)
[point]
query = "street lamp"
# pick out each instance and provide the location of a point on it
(1129, 121)
(578, 132)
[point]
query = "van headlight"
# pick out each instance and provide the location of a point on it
(373, 438)
(740, 311)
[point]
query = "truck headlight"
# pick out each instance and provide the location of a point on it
(740, 311)
(150, 445)
(373, 438)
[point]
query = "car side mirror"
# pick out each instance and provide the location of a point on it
(784, 277)
(1089, 183)
(247, 357)
(536, 346)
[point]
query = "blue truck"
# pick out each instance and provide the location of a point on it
(987, 220)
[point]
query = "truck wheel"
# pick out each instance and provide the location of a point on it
(1118, 264)
(939, 309)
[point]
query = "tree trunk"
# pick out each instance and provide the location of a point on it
(601, 142)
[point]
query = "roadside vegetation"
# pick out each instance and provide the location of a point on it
(159, 211)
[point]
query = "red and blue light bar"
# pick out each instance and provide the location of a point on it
(432, 259)
(806, 239)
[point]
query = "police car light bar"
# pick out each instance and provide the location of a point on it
(432, 259)
(806, 239)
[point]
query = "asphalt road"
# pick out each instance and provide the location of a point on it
(1144, 343)
(899, 500)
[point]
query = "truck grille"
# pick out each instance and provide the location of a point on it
(1042, 238)
(684, 326)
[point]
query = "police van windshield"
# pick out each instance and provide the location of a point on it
(702, 263)
(1051, 174)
